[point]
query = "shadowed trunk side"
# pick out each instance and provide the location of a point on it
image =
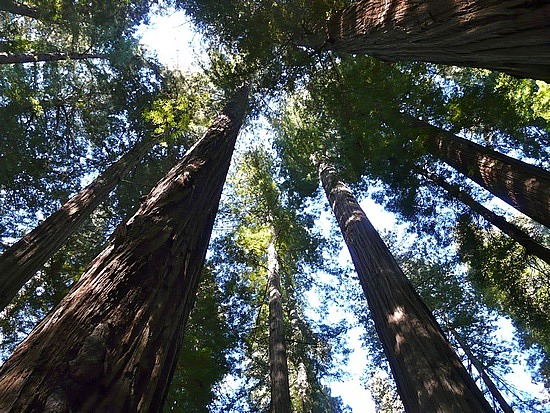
(505, 35)
(22, 260)
(428, 373)
(112, 343)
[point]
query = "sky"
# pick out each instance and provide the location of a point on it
(172, 38)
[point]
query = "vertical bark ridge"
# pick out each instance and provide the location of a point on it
(428, 373)
(504, 35)
(111, 344)
(24, 258)
(278, 367)
(514, 232)
(523, 186)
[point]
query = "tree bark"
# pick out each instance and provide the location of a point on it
(6, 58)
(278, 368)
(24, 258)
(523, 186)
(111, 344)
(514, 232)
(505, 35)
(19, 9)
(428, 373)
(495, 392)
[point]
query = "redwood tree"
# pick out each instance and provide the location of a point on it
(513, 231)
(523, 186)
(112, 342)
(505, 35)
(24, 258)
(428, 373)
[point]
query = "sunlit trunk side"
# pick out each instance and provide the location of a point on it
(428, 373)
(523, 186)
(278, 367)
(517, 234)
(495, 392)
(7, 58)
(19, 9)
(111, 344)
(505, 35)
(22, 260)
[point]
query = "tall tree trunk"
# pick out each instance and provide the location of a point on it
(505, 35)
(19, 9)
(24, 258)
(495, 392)
(428, 373)
(278, 368)
(6, 58)
(523, 186)
(111, 344)
(514, 232)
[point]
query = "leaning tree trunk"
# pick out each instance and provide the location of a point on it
(428, 373)
(505, 35)
(24, 258)
(278, 368)
(111, 344)
(523, 186)
(19, 9)
(6, 58)
(517, 234)
(495, 392)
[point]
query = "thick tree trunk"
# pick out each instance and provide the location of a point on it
(495, 392)
(428, 373)
(517, 234)
(6, 58)
(19, 9)
(24, 258)
(523, 186)
(505, 35)
(111, 344)
(278, 368)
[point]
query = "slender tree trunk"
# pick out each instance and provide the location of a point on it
(504, 35)
(278, 368)
(19, 9)
(514, 232)
(24, 258)
(6, 58)
(495, 392)
(111, 344)
(523, 186)
(428, 373)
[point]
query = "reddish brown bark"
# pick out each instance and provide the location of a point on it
(514, 232)
(111, 344)
(6, 58)
(504, 35)
(24, 258)
(523, 186)
(428, 373)
(278, 368)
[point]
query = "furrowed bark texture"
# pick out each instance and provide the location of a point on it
(278, 368)
(20, 9)
(505, 35)
(495, 392)
(24, 258)
(523, 186)
(514, 232)
(428, 373)
(112, 342)
(6, 58)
